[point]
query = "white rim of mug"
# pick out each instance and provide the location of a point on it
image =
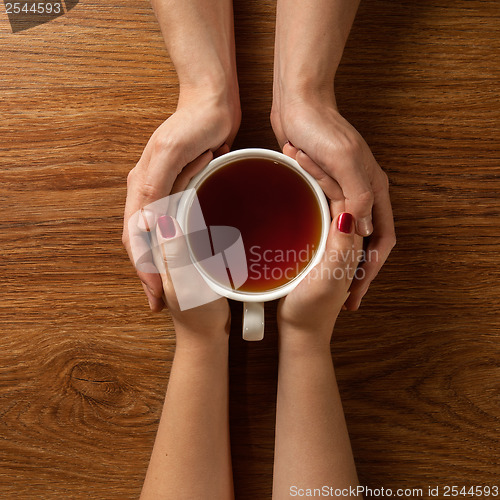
(268, 154)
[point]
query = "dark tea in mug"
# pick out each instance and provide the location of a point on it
(276, 211)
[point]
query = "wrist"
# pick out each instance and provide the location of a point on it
(296, 341)
(218, 86)
(305, 84)
(217, 96)
(207, 341)
(295, 346)
(303, 91)
(310, 40)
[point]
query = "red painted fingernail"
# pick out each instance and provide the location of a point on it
(345, 222)
(167, 226)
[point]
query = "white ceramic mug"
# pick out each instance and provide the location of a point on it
(253, 309)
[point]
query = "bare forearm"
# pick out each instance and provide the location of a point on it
(310, 39)
(191, 455)
(312, 443)
(200, 40)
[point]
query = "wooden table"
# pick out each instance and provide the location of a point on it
(84, 366)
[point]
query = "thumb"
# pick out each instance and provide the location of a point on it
(171, 250)
(172, 243)
(183, 285)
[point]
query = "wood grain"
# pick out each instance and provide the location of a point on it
(84, 366)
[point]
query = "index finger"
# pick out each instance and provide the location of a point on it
(135, 241)
(352, 176)
(182, 282)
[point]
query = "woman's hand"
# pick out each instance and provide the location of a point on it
(203, 125)
(307, 315)
(329, 148)
(184, 288)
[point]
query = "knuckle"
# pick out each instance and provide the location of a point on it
(366, 197)
(149, 192)
(163, 143)
(350, 145)
(320, 175)
(177, 148)
(274, 118)
(381, 184)
(131, 177)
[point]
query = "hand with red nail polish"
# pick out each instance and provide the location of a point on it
(344, 222)
(178, 149)
(200, 316)
(191, 455)
(309, 312)
(333, 152)
(309, 127)
(200, 40)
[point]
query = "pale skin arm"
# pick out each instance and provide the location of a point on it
(191, 458)
(312, 443)
(191, 455)
(310, 39)
(200, 40)
(312, 446)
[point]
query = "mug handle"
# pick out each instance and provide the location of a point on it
(253, 320)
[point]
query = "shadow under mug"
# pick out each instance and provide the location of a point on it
(253, 302)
